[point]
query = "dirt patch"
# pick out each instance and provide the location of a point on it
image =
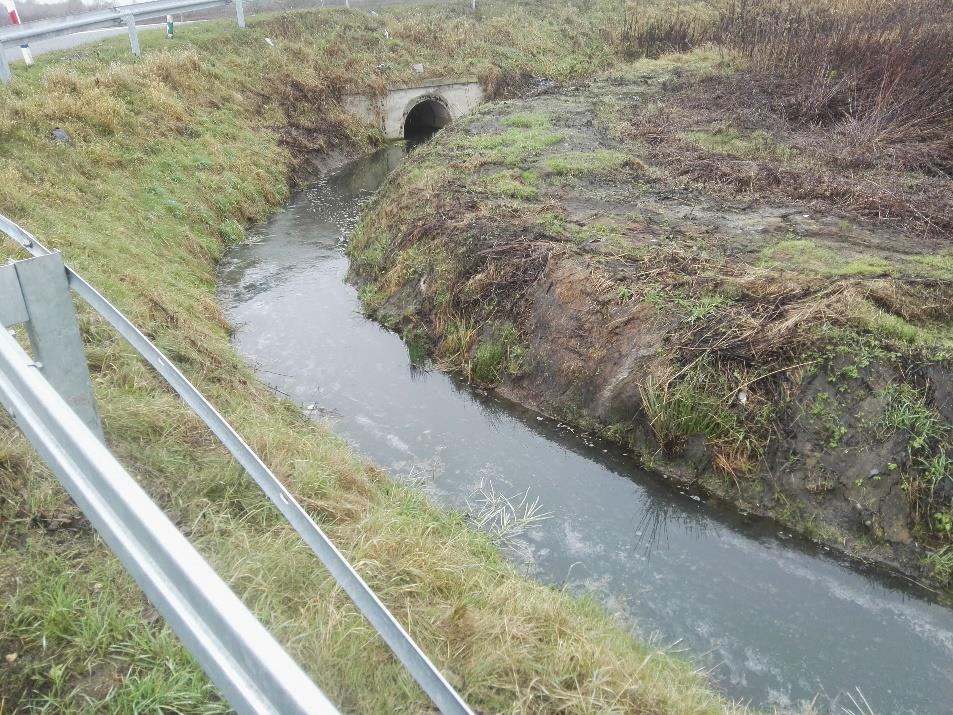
(695, 279)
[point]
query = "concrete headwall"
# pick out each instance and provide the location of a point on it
(389, 112)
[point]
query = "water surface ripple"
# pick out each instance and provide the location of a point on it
(776, 621)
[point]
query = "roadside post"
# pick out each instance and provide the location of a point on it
(133, 35)
(15, 20)
(111, 16)
(5, 75)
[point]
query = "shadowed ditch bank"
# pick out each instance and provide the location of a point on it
(617, 255)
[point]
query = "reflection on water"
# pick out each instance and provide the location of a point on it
(774, 621)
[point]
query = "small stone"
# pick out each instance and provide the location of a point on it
(269, 42)
(743, 397)
(11, 658)
(61, 136)
(419, 68)
(873, 472)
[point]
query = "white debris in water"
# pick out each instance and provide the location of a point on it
(397, 443)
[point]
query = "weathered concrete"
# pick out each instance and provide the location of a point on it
(444, 100)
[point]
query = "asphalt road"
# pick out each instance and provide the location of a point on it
(66, 42)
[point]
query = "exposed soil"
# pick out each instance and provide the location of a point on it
(699, 278)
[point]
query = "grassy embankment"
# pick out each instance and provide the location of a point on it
(769, 206)
(171, 156)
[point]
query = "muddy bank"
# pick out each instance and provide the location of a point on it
(617, 255)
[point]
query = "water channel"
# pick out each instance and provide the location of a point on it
(776, 620)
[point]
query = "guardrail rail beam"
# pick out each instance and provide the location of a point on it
(410, 655)
(249, 667)
(117, 16)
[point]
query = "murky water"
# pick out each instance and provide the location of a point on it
(776, 621)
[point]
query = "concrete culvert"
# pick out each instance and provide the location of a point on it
(425, 118)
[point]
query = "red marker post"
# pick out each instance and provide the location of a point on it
(15, 20)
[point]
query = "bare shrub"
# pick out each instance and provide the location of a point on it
(651, 29)
(879, 73)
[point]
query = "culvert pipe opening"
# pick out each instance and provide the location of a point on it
(425, 118)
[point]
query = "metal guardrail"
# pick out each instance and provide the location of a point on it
(404, 648)
(241, 657)
(117, 16)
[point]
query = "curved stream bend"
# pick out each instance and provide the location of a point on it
(775, 621)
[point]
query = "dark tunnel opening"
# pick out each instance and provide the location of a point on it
(425, 119)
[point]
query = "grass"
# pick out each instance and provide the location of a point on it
(602, 161)
(512, 147)
(940, 563)
(807, 256)
(171, 156)
(729, 140)
(528, 120)
(928, 437)
(511, 184)
(701, 400)
(500, 353)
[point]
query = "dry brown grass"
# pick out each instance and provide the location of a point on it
(879, 73)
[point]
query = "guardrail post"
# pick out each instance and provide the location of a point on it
(5, 74)
(240, 13)
(443, 695)
(252, 671)
(133, 35)
(36, 292)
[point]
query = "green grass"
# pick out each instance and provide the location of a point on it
(906, 411)
(528, 120)
(501, 352)
(512, 147)
(939, 265)
(940, 564)
(700, 400)
(937, 338)
(807, 256)
(729, 140)
(171, 156)
(511, 184)
(602, 161)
